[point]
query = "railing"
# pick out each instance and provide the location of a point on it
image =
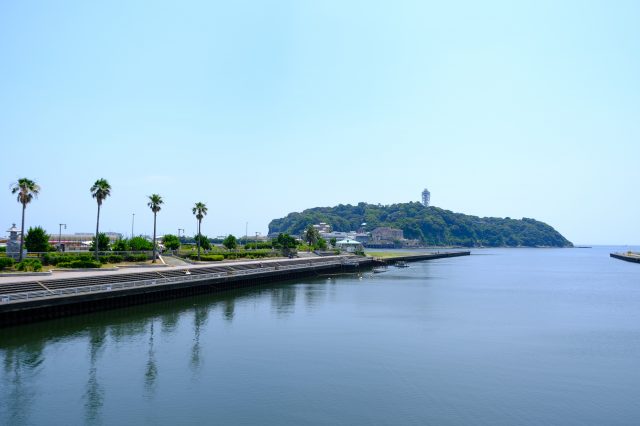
(41, 294)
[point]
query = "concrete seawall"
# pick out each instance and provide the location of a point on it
(23, 302)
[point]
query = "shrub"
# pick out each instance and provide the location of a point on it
(112, 258)
(37, 240)
(140, 244)
(6, 262)
(207, 257)
(28, 265)
(56, 258)
(80, 264)
(141, 257)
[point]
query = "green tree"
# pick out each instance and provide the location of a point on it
(231, 242)
(321, 244)
(203, 241)
(103, 243)
(100, 190)
(140, 244)
(27, 190)
(200, 211)
(311, 236)
(155, 201)
(286, 243)
(333, 242)
(171, 242)
(37, 240)
(121, 244)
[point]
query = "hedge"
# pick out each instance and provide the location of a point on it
(28, 265)
(207, 257)
(6, 262)
(80, 264)
(136, 257)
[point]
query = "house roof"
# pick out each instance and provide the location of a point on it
(348, 241)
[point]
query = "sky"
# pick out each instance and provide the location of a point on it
(262, 108)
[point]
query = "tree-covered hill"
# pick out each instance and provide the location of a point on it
(431, 225)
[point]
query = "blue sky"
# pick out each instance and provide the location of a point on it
(260, 108)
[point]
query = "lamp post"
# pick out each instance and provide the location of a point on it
(60, 235)
(256, 247)
(133, 217)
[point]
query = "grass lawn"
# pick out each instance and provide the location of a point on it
(387, 254)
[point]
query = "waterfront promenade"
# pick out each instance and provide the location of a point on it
(26, 299)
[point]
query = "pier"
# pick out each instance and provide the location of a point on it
(23, 301)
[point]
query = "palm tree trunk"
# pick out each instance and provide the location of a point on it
(154, 238)
(97, 228)
(199, 239)
(24, 206)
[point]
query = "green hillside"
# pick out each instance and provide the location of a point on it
(431, 225)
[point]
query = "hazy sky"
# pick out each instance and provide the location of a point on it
(260, 108)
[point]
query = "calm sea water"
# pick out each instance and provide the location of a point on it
(503, 337)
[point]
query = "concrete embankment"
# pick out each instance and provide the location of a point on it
(629, 257)
(418, 257)
(29, 301)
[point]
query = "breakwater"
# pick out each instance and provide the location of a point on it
(627, 257)
(29, 301)
(419, 257)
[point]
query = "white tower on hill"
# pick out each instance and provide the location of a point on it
(426, 197)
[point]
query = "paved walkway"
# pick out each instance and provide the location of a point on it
(160, 268)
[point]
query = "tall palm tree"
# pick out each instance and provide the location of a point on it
(200, 210)
(27, 190)
(100, 191)
(154, 204)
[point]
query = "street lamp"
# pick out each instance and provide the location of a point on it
(60, 235)
(133, 217)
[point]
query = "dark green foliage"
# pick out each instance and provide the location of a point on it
(204, 242)
(3, 249)
(80, 263)
(231, 242)
(56, 259)
(333, 242)
(37, 240)
(207, 257)
(6, 262)
(431, 225)
(259, 245)
(285, 241)
(29, 265)
(140, 257)
(171, 242)
(103, 242)
(140, 244)
(112, 258)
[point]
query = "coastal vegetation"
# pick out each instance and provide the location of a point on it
(155, 201)
(100, 190)
(430, 225)
(200, 211)
(27, 190)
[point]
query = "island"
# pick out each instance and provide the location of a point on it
(425, 225)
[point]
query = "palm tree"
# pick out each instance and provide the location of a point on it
(154, 204)
(100, 191)
(26, 190)
(200, 210)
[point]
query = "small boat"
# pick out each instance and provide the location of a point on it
(379, 269)
(401, 264)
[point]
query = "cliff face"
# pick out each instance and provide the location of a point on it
(431, 225)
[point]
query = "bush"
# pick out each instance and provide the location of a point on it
(207, 257)
(141, 257)
(29, 265)
(37, 240)
(140, 244)
(56, 258)
(112, 258)
(80, 264)
(6, 262)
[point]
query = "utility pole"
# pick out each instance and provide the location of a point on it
(60, 235)
(133, 217)
(246, 232)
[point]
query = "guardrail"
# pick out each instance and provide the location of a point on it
(41, 294)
